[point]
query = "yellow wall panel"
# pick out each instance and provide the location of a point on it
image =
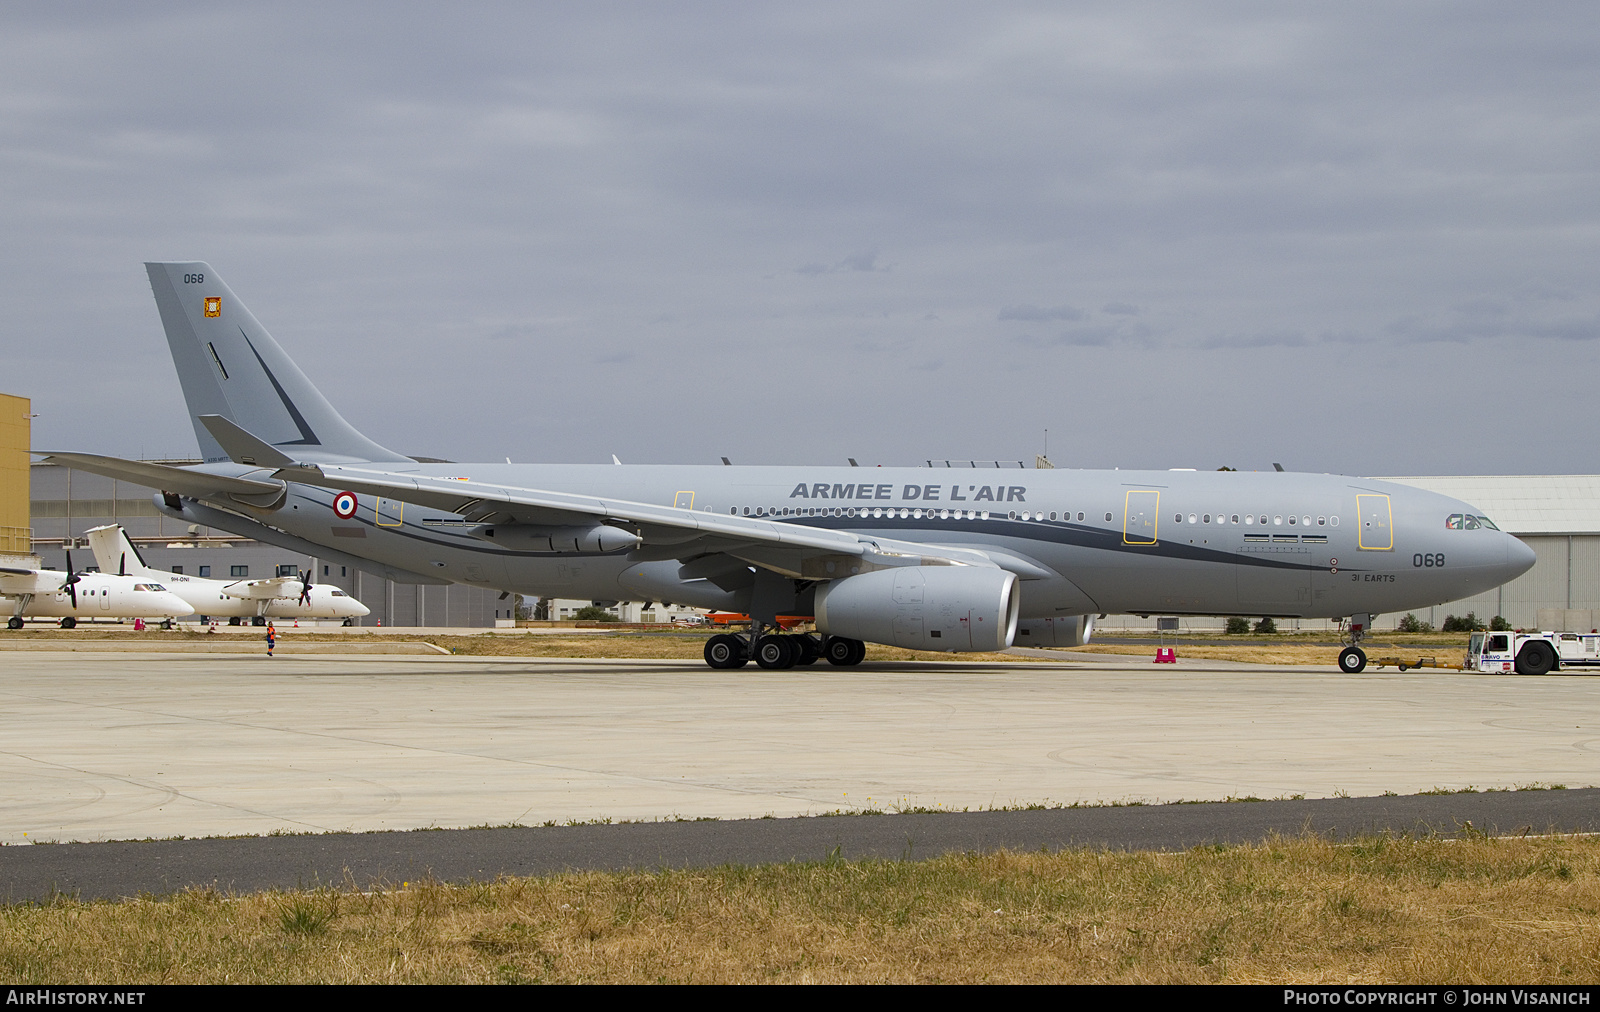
(14, 436)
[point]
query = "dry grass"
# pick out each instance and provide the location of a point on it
(1250, 653)
(616, 645)
(1405, 911)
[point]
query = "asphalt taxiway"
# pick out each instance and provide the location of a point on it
(116, 870)
(108, 746)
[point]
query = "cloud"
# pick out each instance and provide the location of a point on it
(1075, 337)
(1267, 339)
(865, 261)
(1119, 309)
(1041, 314)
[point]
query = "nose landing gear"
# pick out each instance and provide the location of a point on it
(1352, 659)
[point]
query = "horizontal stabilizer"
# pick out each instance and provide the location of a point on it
(183, 481)
(241, 446)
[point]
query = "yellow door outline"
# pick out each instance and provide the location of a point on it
(1377, 523)
(389, 512)
(1140, 537)
(683, 501)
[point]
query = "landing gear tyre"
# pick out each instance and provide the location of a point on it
(1535, 659)
(806, 650)
(259, 620)
(1352, 660)
(844, 652)
(14, 623)
(724, 652)
(234, 620)
(166, 623)
(69, 623)
(775, 652)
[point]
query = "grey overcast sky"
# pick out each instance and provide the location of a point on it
(1353, 237)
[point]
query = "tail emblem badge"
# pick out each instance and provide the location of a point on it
(214, 305)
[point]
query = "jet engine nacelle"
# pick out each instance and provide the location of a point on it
(595, 540)
(1061, 631)
(923, 608)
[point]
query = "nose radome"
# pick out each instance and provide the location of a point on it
(1519, 557)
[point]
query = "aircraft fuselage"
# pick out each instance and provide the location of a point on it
(1169, 542)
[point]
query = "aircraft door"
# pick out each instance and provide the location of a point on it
(1377, 530)
(1139, 518)
(388, 512)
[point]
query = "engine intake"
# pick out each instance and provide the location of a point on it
(596, 540)
(960, 608)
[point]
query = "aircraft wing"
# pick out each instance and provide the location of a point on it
(666, 531)
(183, 481)
(264, 590)
(16, 581)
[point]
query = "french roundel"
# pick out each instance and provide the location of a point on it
(344, 505)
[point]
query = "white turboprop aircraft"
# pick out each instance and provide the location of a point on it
(44, 593)
(293, 597)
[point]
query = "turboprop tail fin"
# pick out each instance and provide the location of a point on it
(229, 365)
(114, 553)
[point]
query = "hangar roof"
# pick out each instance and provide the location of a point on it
(1525, 503)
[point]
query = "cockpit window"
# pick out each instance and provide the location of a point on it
(1472, 522)
(1453, 522)
(1485, 521)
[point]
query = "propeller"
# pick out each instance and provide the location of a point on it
(305, 588)
(71, 584)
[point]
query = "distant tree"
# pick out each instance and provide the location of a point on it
(1238, 626)
(1469, 623)
(1226, 468)
(1412, 624)
(1499, 624)
(594, 613)
(541, 609)
(1266, 625)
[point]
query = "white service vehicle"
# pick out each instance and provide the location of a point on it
(27, 590)
(279, 597)
(1532, 653)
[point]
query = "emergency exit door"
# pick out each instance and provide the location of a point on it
(1139, 518)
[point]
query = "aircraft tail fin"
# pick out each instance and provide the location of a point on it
(114, 553)
(229, 365)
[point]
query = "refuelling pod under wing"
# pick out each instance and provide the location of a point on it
(596, 540)
(1061, 631)
(961, 608)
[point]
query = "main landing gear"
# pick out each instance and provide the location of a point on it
(1352, 659)
(779, 651)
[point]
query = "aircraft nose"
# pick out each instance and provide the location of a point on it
(1519, 558)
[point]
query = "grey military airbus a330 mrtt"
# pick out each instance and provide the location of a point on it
(953, 560)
